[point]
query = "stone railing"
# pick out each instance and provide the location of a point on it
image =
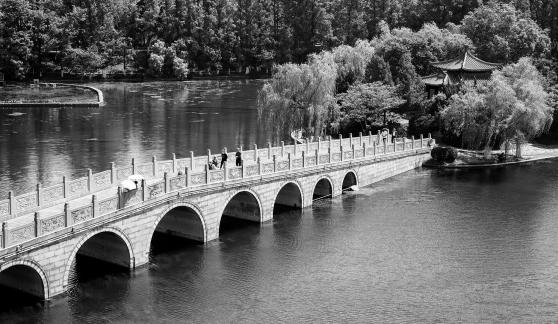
(22, 218)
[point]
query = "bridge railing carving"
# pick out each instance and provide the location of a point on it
(22, 219)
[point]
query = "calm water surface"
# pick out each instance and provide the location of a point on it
(138, 121)
(425, 246)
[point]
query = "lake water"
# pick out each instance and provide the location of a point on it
(138, 121)
(425, 246)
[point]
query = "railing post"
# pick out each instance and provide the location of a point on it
(342, 155)
(353, 148)
(282, 148)
(369, 138)
(378, 136)
(394, 144)
(113, 176)
(143, 188)
(421, 141)
(317, 157)
(6, 241)
(207, 180)
(192, 161)
(174, 163)
(89, 180)
(413, 142)
(364, 149)
(94, 206)
(290, 161)
(154, 165)
(429, 136)
(68, 215)
(38, 229)
(341, 143)
(374, 147)
(120, 202)
(329, 152)
(39, 194)
(133, 166)
(360, 136)
(259, 166)
(269, 150)
(208, 156)
(166, 179)
(319, 143)
(294, 147)
(11, 205)
(350, 139)
(255, 152)
(303, 159)
(274, 163)
(187, 176)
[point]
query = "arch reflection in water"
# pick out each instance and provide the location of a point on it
(242, 209)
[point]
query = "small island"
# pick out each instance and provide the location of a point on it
(49, 95)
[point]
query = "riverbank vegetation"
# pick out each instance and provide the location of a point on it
(376, 83)
(169, 38)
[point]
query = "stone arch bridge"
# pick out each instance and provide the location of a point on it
(44, 231)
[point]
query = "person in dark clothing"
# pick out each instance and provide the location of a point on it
(238, 158)
(224, 158)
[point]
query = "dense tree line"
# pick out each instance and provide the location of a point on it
(376, 82)
(169, 37)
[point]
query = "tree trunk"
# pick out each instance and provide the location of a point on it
(517, 148)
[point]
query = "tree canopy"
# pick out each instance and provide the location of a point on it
(513, 105)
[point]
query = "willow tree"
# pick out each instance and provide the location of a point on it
(299, 96)
(352, 62)
(513, 105)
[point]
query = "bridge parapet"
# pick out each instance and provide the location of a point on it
(45, 210)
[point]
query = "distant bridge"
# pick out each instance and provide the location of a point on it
(43, 231)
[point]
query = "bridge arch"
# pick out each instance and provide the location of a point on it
(167, 220)
(244, 204)
(25, 272)
(323, 188)
(349, 179)
(289, 194)
(120, 252)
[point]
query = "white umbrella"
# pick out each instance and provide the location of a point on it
(128, 185)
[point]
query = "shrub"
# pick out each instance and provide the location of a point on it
(451, 155)
(444, 154)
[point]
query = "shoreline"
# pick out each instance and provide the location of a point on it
(60, 102)
(531, 153)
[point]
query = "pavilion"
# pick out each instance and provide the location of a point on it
(454, 72)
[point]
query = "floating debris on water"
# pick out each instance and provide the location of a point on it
(197, 121)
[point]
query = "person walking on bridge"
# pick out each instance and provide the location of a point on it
(238, 157)
(224, 158)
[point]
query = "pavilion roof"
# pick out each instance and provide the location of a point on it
(466, 62)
